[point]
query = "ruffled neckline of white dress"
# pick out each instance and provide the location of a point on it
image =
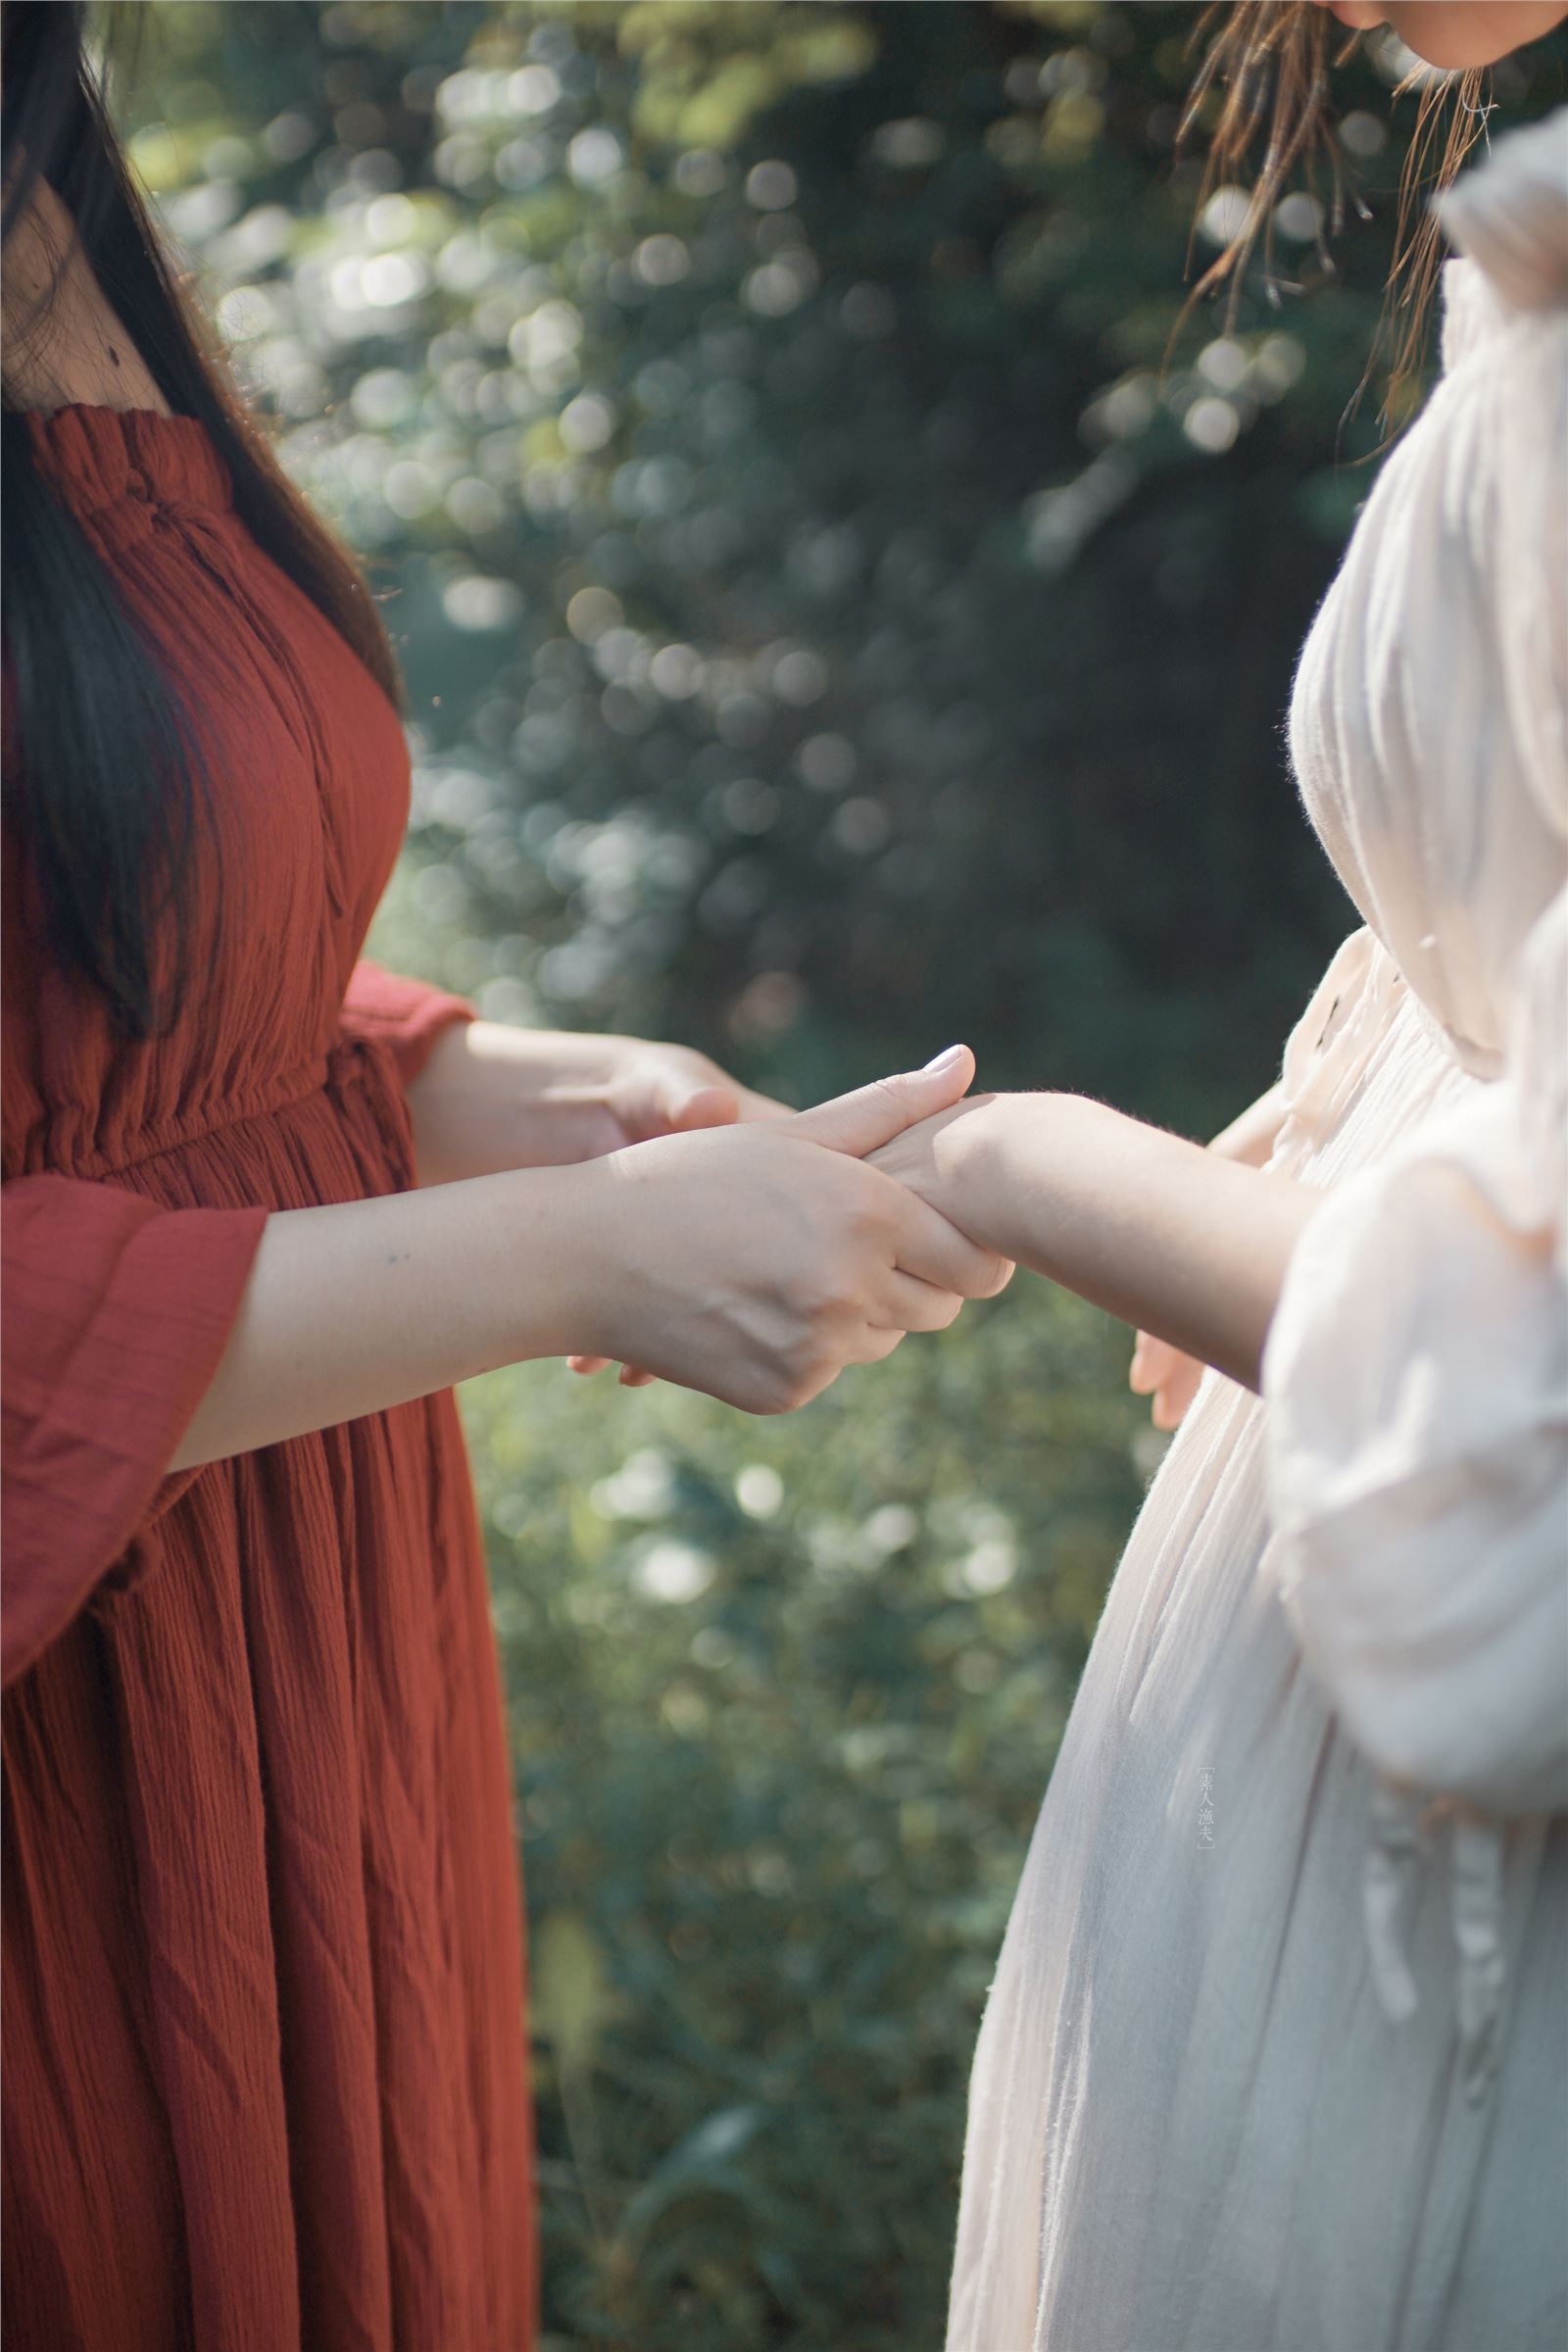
(1510, 217)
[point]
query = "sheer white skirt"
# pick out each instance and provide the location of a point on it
(1193, 2125)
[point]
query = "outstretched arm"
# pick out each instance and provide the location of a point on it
(1166, 1375)
(1176, 1240)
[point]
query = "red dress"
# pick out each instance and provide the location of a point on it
(263, 2060)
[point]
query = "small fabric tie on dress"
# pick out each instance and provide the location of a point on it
(1475, 1900)
(1387, 1876)
(1401, 1819)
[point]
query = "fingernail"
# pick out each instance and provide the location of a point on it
(942, 1062)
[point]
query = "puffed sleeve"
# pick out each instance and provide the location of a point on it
(116, 1312)
(408, 1015)
(1417, 1378)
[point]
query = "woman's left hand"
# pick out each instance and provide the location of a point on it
(492, 1098)
(1165, 1375)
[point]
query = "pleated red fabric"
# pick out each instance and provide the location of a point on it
(264, 2053)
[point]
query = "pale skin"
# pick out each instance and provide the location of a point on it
(605, 1198)
(1454, 34)
(1189, 1246)
(1159, 1371)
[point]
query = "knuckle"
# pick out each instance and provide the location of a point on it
(831, 1288)
(813, 1296)
(868, 1234)
(771, 1387)
(795, 1389)
(800, 1365)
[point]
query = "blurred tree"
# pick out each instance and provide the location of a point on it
(828, 630)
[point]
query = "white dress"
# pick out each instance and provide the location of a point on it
(1277, 2055)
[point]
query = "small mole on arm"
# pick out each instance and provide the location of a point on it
(114, 356)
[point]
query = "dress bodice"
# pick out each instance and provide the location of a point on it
(264, 2007)
(308, 776)
(1442, 803)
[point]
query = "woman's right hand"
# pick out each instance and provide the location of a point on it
(753, 1262)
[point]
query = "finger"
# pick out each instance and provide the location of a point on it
(905, 1304)
(688, 1108)
(665, 1103)
(1174, 1396)
(874, 1115)
(1166, 1411)
(1153, 1362)
(935, 1252)
(875, 1343)
(630, 1376)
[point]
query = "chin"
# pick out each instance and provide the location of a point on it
(1456, 35)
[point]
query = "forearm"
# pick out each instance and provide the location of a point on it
(1158, 1231)
(492, 1098)
(355, 1307)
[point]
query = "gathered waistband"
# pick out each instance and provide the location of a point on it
(349, 1061)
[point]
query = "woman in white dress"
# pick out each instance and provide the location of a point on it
(1277, 2055)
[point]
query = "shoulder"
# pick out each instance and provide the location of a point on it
(1511, 216)
(1456, 581)
(1494, 442)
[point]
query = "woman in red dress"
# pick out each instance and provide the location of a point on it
(264, 2068)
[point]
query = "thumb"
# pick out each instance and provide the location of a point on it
(874, 1115)
(687, 1106)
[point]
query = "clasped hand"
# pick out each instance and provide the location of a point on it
(492, 1098)
(752, 1252)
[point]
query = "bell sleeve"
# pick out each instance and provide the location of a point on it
(407, 1015)
(116, 1312)
(1417, 1378)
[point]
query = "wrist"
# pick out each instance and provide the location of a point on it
(544, 1259)
(993, 1168)
(595, 1264)
(492, 1098)
(1024, 1157)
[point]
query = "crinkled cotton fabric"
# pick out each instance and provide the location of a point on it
(1276, 2059)
(264, 2064)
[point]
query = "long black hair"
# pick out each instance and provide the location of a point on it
(105, 789)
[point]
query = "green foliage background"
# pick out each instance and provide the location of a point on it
(830, 629)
